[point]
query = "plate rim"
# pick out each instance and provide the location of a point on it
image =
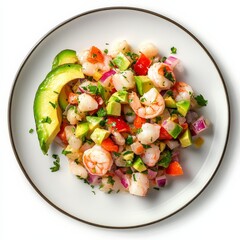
(53, 29)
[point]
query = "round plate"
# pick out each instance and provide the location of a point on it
(66, 192)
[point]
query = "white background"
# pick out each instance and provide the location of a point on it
(213, 215)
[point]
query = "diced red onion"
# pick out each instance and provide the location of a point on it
(191, 117)
(175, 155)
(151, 174)
(172, 144)
(171, 61)
(161, 181)
(199, 125)
(123, 178)
(93, 179)
(107, 74)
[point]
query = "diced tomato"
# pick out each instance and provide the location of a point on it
(174, 169)
(117, 123)
(61, 134)
(142, 65)
(109, 145)
(138, 121)
(95, 55)
(73, 98)
(164, 135)
(184, 126)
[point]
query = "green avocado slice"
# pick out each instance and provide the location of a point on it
(63, 57)
(47, 112)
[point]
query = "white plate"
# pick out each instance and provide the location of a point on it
(63, 190)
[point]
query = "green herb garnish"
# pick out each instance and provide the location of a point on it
(65, 152)
(46, 120)
(102, 112)
(31, 130)
(110, 180)
(173, 50)
(56, 163)
(54, 105)
(201, 101)
(129, 140)
(165, 159)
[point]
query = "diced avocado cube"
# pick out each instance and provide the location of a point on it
(128, 155)
(82, 129)
(139, 165)
(114, 108)
(183, 107)
(186, 138)
(170, 102)
(121, 61)
(144, 84)
(99, 135)
(172, 128)
(119, 96)
(93, 122)
(104, 93)
(162, 146)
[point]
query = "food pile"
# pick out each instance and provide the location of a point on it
(121, 116)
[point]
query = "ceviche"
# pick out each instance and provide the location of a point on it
(120, 115)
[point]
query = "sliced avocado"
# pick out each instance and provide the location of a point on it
(144, 84)
(47, 113)
(183, 107)
(82, 129)
(99, 135)
(121, 61)
(63, 97)
(93, 122)
(65, 56)
(186, 138)
(170, 102)
(128, 155)
(114, 108)
(139, 165)
(119, 96)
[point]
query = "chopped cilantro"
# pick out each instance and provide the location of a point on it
(169, 76)
(56, 163)
(156, 188)
(127, 152)
(201, 101)
(116, 154)
(65, 152)
(129, 114)
(146, 146)
(92, 89)
(54, 105)
(163, 59)
(31, 130)
(134, 177)
(129, 140)
(139, 130)
(173, 50)
(106, 51)
(110, 180)
(46, 120)
(142, 99)
(165, 158)
(101, 112)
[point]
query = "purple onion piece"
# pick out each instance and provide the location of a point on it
(161, 181)
(107, 74)
(199, 125)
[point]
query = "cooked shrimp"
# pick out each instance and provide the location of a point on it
(149, 133)
(78, 169)
(139, 184)
(97, 160)
(151, 155)
(86, 103)
(161, 75)
(137, 148)
(73, 116)
(150, 105)
(118, 138)
(73, 141)
(148, 49)
(90, 69)
(123, 80)
(119, 46)
(182, 91)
